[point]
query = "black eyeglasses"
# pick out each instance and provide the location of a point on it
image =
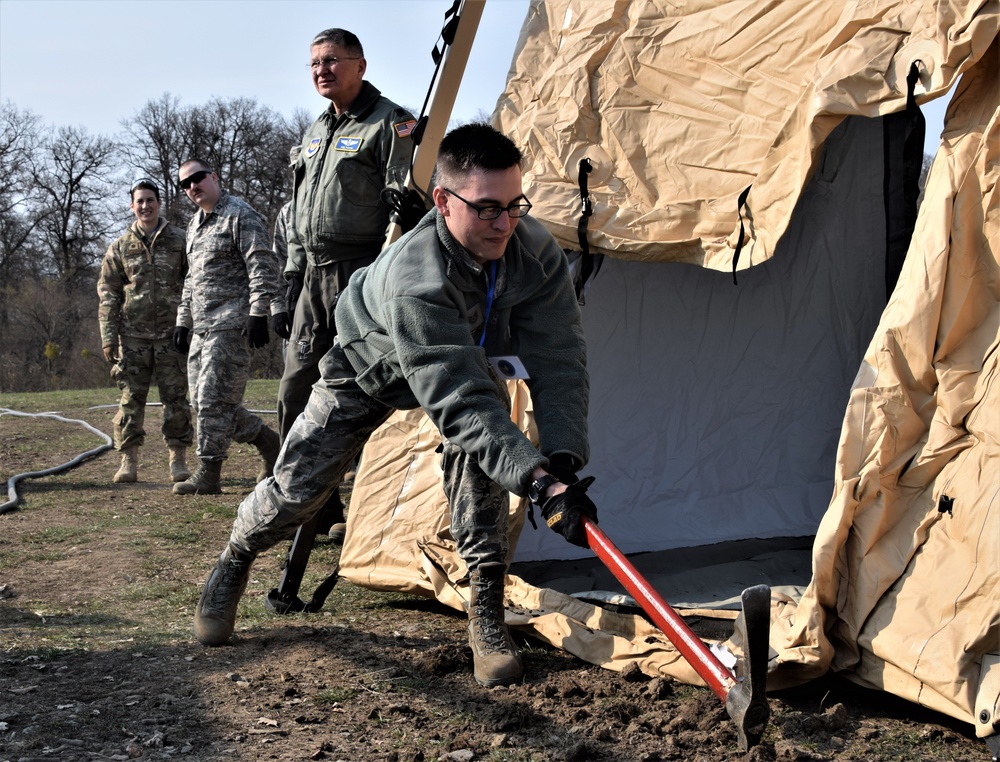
(329, 63)
(197, 177)
(492, 212)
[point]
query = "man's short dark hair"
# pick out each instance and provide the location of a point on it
(475, 146)
(342, 39)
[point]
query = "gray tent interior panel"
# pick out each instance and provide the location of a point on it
(716, 408)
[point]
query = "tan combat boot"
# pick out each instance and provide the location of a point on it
(179, 471)
(205, 480)
(215, 617)
(129, 466)
(495, 657)
(268, 444)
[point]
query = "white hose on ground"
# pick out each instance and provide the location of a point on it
(13, 498)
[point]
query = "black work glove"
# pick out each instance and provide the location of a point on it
(292, 292)
(256, 331)
(281, 325)
(563, 512)
(182, 339)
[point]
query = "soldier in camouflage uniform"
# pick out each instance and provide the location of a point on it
(140, 289)
(280, 241)
(435, 322)
(357, 147)
(231, 285)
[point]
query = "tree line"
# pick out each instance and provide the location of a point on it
(64, 198)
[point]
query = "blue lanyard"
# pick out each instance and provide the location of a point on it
(489, 300)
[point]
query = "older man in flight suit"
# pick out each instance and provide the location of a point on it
(356, 148)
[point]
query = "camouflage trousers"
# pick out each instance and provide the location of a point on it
(313, 332)
(322, 445)
(218, 370)
(140, 361)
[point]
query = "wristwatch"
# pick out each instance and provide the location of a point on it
(536, 492)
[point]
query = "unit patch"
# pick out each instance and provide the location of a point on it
(313, 147)
(348, 144)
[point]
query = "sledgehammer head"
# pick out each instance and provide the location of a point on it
(746, 701)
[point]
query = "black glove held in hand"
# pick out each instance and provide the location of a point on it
(256, 331)
(292, 293)
(182, 339)
(563, 512)
(281, 325)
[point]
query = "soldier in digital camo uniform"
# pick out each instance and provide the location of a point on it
(139, 289)
(231, 286)
(357, 147)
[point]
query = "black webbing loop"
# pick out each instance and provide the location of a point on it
(741, 202)
(590, 264)
(903, 145)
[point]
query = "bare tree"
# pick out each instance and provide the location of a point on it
(248, 146)
(245, 142)
(154, 145)
(19, 135)
(74, 175)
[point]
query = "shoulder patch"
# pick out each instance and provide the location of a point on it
(313, 147)
(348, 143)
(403, 129)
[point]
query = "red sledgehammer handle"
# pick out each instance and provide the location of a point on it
(712, 671)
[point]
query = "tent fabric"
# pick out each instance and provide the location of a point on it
(906, 582)
(680, 107)
(716, 410)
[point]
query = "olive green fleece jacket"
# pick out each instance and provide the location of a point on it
(411, 324)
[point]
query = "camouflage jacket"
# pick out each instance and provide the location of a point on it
(345, 163)
(280, 242)
(232, 271)
(140, 284)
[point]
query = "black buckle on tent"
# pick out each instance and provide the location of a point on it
(945, 504)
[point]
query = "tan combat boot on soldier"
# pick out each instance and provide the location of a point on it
(130, 465)
(215, 616)
(268, 444)
(179, 471)
(204, 481)
(495, 657)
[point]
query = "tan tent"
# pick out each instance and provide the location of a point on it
(718, 410)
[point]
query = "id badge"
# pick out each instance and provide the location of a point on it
(508, 366)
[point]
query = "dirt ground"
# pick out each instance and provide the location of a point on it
(98, 584)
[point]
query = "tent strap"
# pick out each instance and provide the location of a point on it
(590, 263)
(903, 145)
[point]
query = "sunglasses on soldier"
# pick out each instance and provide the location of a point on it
(197, 177)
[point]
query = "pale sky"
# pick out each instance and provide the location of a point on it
(91, 63)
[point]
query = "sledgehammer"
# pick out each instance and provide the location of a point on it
(745, 698)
